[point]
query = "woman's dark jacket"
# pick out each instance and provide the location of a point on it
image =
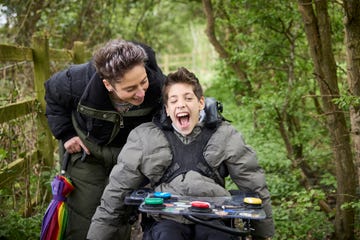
(77, 96)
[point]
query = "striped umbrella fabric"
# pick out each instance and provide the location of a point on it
(55, 219)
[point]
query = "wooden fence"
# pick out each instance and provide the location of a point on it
(40, 55)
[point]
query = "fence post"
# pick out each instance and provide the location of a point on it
(45, 142)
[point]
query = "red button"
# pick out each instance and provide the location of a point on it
(200, 204)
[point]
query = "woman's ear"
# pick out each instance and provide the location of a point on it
(108, 85)
(202, 103)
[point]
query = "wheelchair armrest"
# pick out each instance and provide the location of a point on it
(137, 196)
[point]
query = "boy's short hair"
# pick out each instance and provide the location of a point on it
(182, 75)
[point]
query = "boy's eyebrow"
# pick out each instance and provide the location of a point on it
(186, 94)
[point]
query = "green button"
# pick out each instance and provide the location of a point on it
(154, 201)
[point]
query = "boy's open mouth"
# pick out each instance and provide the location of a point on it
(183, 119)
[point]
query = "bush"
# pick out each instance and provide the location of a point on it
(300, 217)
(14, 226)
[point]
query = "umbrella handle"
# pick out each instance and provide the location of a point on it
(66, 159)
(65, 162)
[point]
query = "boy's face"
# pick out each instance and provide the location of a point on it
(183, 107)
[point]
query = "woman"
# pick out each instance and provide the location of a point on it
(91, 108)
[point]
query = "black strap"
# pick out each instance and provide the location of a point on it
(188, 157)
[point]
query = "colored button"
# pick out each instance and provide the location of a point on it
(252, 200)
(154, 201)
(200, 204)
(162, 194)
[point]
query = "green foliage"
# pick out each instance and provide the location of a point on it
(13, 223)
(3, 155)
(146, 20)
(354, 205)
(269, 43)
(345, 101)
(168, 26)
(14, 226)
(298, 216)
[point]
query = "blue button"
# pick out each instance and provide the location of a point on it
(162, 194)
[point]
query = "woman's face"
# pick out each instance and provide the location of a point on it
(183, 107)
(132, 86)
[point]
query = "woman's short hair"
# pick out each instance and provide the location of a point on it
(116, 58)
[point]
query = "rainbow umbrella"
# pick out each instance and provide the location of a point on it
(55, 218)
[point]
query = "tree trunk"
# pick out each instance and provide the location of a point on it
(317, 28)
(352, 39)
(27, 21)
(220, 49)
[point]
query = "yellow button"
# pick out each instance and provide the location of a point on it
(252, 200)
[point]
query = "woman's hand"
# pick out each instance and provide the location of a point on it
(74, 145)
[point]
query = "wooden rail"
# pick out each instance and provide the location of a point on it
(40, 55)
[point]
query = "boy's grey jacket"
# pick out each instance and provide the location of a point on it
(147, 154)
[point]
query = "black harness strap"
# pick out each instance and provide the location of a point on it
(188, 157)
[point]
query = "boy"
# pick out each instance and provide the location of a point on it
(178, 154)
